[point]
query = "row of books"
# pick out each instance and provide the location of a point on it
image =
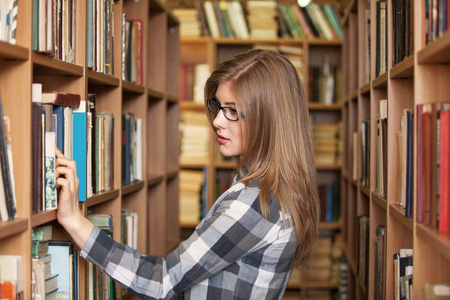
(437, 20)
(327, 143)
(194, 132)
(433, 165)
(100, 35)
(192, 80)
(54, 266)
(325, 83)
(130, 228)
(54, 28)
(330, 199)
(132, 55)
(8, 202)
(191, 187)
(265, 19)
(381, 37)
(403, 30)
(362, 249)
(59, 119)
(8, 20)
(131, 149)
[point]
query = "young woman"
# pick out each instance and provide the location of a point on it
(261, 227)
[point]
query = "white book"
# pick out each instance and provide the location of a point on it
(211, 18)
(50, 171)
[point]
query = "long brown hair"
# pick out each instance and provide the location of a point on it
(278, 150)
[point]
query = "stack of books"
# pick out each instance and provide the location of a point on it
(194, 130)
(189, 23)
(262, 19)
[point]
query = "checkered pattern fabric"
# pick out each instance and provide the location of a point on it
(234, 253)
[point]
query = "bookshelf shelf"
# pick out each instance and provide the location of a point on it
(398, 213)
(404, 69)
(379, 200)
(320, 106)
(132, 187)
(154, 94)
(318, 285)
(225, 165)
(44, 65)
(154, 179)
(381, 81)
(365, 190)
(102, 198)
(100, 79)
(190, 225)
(330, 226)
(439, 242)
(365, 89)
(189, 105)
(323, 42)
(171, 174)
(436, 52)
(43, 217)
(13, 227)
(354, 95)
(199, 164)
(12, 52)
(132, 88)
(328, 167)
(172, 98)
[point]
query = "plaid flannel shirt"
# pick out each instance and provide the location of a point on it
(234, 253)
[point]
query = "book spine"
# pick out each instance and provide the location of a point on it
(50, 171)
(80, 147)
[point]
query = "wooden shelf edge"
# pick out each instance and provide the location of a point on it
(354, 95)
(365, 190)
(13, 52)
(398, 213)
(154, 179)
(132, 87)
(195, 165)
(190, 105)
(97, 78)
(439, 242)
(46, 65)
(379, 200)
(171, 174)
(365, 89)
(225, 165)
(102, 197)
(322, 106)
(172, 98)
(330, 225)
(189, 225)
(132, 187)
(154, 94)
(380, 81)
(318, 285)
(326, 167)
(13, 227)
(436, 52)
(43, 217)
(404, 69)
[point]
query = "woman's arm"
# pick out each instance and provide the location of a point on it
(69, 214)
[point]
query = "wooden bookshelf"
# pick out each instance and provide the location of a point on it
(418, 79)
(156, 102)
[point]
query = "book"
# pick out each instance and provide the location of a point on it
(11, 271)
(444, 174)
(60, 98)
(62, 265)
(436, 291)
(50, 171)
(42, 233)
(80, 147)
(37, 155)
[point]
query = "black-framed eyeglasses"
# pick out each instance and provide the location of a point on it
(229, 112)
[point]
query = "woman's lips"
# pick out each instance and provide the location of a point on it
(222, 140)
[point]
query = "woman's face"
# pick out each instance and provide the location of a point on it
(229, 133)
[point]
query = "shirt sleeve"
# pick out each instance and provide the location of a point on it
(234, 229)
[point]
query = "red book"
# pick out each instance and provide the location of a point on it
(59, 98)
(426, 183)
(444, 199)
(420, 196)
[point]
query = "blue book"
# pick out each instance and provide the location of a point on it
(58, 110)
(79, 135)
(329, 203)
(62, 264)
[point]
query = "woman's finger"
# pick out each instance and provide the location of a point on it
(69, 175)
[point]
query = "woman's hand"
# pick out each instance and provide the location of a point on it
(69, 214)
